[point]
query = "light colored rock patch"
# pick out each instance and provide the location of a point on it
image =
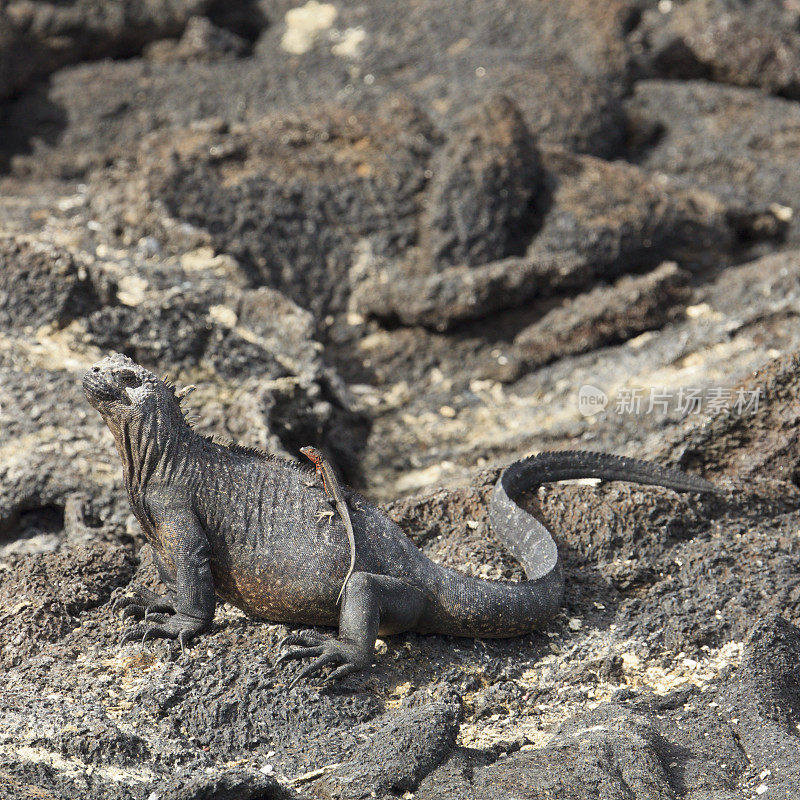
(304, 25)
(132, 289)
(73, 767)
(224, 315)
(203, 259)
(538, 721)
(349, 42)
(52, 349)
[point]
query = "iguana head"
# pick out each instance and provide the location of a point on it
(120, 389)
(137, 406)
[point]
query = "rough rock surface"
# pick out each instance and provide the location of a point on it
(39, 37)
(40, 285)
(605, 315)
(415, 240)
(756, 437)
(601, 220)
(746, 44)
(486, 179)
(736, 143)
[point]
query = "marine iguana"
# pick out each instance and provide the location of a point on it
(231, 522)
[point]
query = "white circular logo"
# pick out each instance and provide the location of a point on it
(591, 400)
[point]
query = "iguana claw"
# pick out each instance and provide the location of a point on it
(179, 626)
(324, 651)
(141, 602)
(133, 611)
(305, 638)
(322, 660)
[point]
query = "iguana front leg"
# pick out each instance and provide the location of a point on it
(372, 604)
(193, 600)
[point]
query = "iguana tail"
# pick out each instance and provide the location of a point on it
(498, 608)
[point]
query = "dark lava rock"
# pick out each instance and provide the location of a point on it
(40, 285)
(201, 41)
(566, 72)
(290, 196)
(764, 700)
(763, 290)
(661, 557)
(742, 43)
(624, 762)
(20, 780)
(755, 436)
(603, 219)
(45, 595)
(485, 180)
(564, 104)
(620, 218)
(231, 699)
(737, 143)
(100, 744)
(605, 315)
(614, 751)
(497, 699)
(173, 331)
(39, 37)
(442, 300)
(627, 521)
(767, 679)
(233, 785)
(177, 330)
(395, 756)
(36, 485)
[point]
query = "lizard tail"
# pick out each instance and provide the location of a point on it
(501, 609)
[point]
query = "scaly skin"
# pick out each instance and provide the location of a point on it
(230, 522)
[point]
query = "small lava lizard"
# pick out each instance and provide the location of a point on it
(331, 485)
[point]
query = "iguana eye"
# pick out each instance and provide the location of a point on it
(127, 377)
